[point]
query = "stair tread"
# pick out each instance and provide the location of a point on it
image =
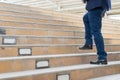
(109, 77)
(35, 36)
(33, 45)
(38, 23)
(54, 70)
(10, 27)
(39, 45)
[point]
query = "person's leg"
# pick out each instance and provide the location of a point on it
(88, 35)
(96, 24)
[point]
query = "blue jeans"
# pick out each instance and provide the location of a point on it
(93, 24)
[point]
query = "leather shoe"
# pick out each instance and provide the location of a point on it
(99, 62)
(86, 47)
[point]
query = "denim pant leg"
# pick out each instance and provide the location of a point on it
(88, 35)
(95, 21)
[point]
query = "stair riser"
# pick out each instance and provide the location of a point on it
(105, 35)
(111, 30)
(111, 41)
(39, 32)
(95, 72)
(20, 65)
(111, 35)
(42, 50)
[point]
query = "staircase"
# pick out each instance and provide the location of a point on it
(37, 44)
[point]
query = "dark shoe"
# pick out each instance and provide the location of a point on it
(86, 47)
(99, 62)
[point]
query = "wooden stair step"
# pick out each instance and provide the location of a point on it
(50, 22)
(38, 25)
(37, 16)
(91, 70)
(40, 16)
(57, 56)
(45, 17)
(29, 39)
(39, 49)
(37, 20)
(50, 26)
(37, 31)
(50, 32)
(53, 60)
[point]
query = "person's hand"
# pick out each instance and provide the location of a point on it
(103, 13)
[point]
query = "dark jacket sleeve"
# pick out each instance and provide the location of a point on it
(106, 5)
